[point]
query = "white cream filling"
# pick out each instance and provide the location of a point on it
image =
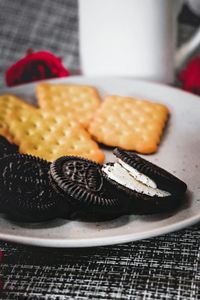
(137, 175)
(132, 179)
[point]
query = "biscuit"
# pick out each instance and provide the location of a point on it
(7, 148)
(149, 188)
(25, 190)
(81, 101)
(163, 179)
(8, 104)
(129, 123)
(49, 135)
(44, 134)
(83, 186)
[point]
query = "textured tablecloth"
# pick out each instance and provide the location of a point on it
(165, 267)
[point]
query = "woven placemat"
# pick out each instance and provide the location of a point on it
(165, 267)
(39, 25)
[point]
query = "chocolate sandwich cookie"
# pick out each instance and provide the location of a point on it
(26, 193)
(7, 148)
(87, 192)
(162, 178)
(149, 188)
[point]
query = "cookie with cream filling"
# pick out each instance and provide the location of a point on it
(87, 192)
(149, 188)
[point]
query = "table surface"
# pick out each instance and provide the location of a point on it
(165, 267)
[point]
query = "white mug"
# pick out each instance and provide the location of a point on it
(131, 38)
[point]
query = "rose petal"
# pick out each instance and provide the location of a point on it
(35, 66)
(190, 76)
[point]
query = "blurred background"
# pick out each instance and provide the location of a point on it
(53, 25)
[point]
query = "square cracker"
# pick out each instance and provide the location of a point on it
(82, 101)
(8, 104)
(129, 123)
(45, 134)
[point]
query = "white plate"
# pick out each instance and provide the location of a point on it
(179, 153)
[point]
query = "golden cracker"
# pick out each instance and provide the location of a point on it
(49, 136)
(8, 104)
(81, 101)
(129, 123)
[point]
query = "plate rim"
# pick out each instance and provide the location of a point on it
(111, 78)
(107, 241)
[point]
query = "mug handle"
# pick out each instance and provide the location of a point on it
(186, 49)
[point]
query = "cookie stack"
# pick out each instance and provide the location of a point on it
(35, 190)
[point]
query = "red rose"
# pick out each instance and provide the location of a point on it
(190, 76)
(35, 66)
(1, 254)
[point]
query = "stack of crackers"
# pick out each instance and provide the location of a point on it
(73, 119)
